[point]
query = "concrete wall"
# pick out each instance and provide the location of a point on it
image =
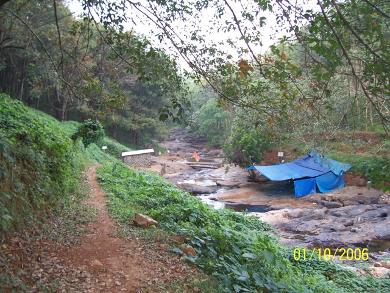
(141, 160)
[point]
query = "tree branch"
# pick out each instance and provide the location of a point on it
(2, 2)
(245, 38)
(59, 36)
(345, 53)
(377, 9)
(355, 33)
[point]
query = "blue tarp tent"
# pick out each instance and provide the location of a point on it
(310, 172)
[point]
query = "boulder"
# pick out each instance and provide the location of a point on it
(144, 221)
(195, 188)
(188, 250)
(331, 204)
(380, 272)
(228, 183)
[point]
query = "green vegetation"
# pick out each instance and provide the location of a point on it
(90, 131)
(238, 250)
(327, 78)
(207, 117)
(375, 168)
(247, 142)
(114, 148)
(38, 163)
(212, 122)
(93, 72)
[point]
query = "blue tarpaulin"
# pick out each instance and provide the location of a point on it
(304, 186)
(308, 172)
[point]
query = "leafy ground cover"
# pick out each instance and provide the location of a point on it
(238, 250)
(39, 163)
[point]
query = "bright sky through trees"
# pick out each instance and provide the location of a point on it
(269, 31)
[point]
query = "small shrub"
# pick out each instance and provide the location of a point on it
(90, 131)
(246, 144)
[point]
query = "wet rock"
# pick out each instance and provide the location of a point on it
(385, 264)
(331, 204)
(196, 189)
(228, 183)
(317, 214)
(307, 227)
(331, 240)
(336, 227)
(348, 223)
(144, 221)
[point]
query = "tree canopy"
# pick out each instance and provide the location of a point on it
(329, 64)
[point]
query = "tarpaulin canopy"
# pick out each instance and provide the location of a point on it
(308, 172)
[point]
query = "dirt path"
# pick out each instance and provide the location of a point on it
(114, 262)
(120, 264)
(100, 261)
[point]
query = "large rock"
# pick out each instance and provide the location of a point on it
(228, 183)
(380, 272)
(331, 204)
(195, 188)
(188, 249)
(144, 221)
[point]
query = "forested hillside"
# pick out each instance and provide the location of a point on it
(91, 71)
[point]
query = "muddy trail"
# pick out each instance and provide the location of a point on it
(355, 216)
(97, 261)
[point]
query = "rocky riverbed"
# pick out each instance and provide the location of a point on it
(354, 216)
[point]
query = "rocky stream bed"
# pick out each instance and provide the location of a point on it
(351, 217)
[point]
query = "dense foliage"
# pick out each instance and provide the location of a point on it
(38, 163)
(339, 42)
(212, 122)
(114, 148)
(90, 131)
(249, 139)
